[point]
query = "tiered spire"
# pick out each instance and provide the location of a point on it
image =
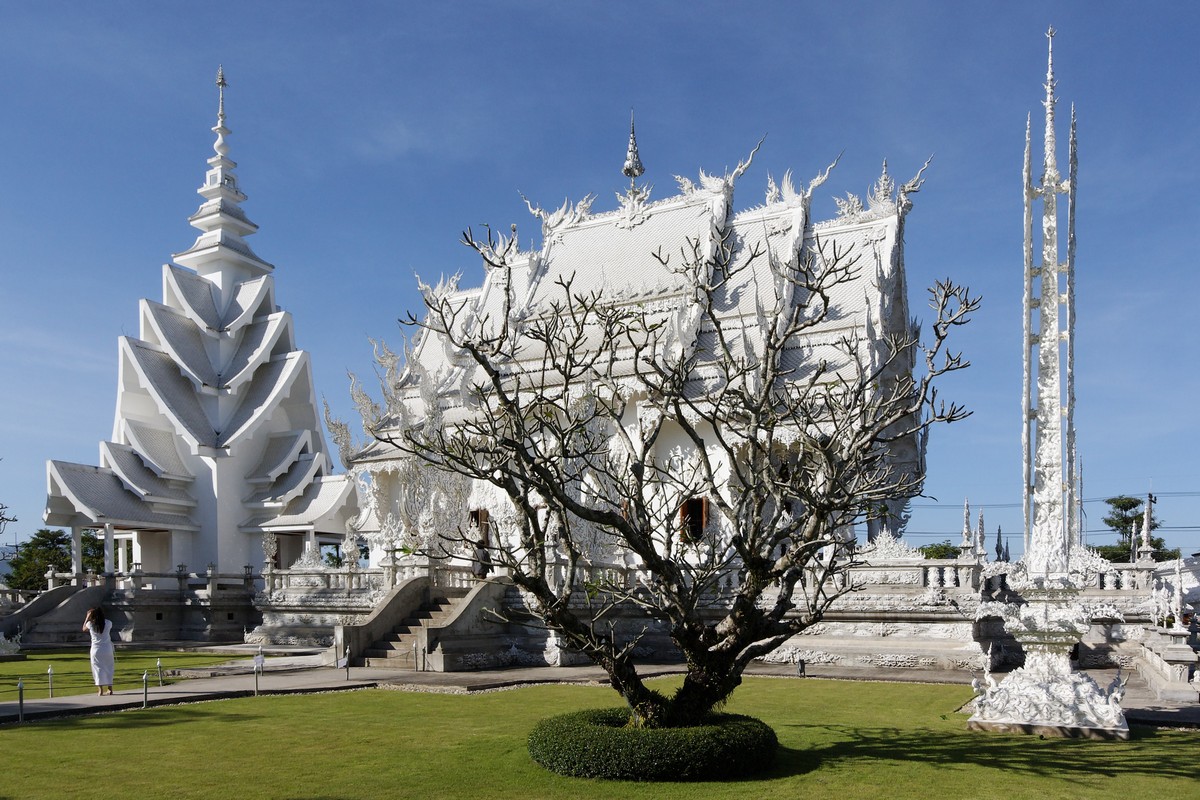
(980, 538)
(633, 168)
(966, 529)
(217, 432)
(1050, 173)
(1051, 514)
(220, 217)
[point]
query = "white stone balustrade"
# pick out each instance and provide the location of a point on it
(1169, 664)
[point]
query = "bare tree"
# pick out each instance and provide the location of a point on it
(729, 455)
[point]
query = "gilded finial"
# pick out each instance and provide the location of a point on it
(633, 168)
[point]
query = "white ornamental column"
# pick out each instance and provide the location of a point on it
(108, 548)
(76, 554)
(1047, 536)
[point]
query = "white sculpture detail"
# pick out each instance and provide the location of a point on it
(1048, 619)
(888, 547)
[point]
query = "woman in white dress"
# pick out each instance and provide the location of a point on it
(103, 667)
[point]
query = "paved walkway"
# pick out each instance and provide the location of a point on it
(297, 674)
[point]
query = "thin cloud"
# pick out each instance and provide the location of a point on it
(388, 140)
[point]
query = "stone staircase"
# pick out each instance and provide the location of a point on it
(404, 646)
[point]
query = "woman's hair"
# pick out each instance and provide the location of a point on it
(95, 617)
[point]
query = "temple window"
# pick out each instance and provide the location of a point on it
(693, 519)
(479, 519)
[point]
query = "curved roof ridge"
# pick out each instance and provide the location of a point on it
(182, 339)
(194, 293)
(246, 300)
(282, 449)
(262, 394)
(127, 465)
(254, 349)
(291, 484)
(172, 392)
(157, 448)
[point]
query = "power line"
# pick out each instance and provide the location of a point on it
(956, 507)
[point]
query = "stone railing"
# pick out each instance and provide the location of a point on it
(1125, 577)
(137, 580)
(914, 573)
(1115, 579)
(354, 579)
(944, 573)
(1169, 664)
(306, 578)
(14, 597)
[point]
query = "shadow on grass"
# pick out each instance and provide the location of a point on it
(130, 719)
(790, 762)
(1149, 752)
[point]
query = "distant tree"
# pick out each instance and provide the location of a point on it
(51, 548)
(1125, 517)
(945, 549)
(334, 555)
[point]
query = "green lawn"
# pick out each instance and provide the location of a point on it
(73, 671)
(838, 739)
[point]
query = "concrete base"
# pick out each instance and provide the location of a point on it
(1048, 730)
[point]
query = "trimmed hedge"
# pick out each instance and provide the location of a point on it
(598, 743)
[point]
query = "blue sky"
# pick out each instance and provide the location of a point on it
(369, 135)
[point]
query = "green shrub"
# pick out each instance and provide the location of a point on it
(940, 550)
(598, 743)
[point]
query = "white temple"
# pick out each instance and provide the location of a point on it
(217, 457)
(217, 439)
(613, 254)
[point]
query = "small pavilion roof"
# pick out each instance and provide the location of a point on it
(96, 496)
(324, 497)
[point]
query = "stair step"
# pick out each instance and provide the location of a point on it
(398, 645)
(394, 644)
(389, 654)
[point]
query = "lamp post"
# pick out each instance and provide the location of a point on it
(4, 520)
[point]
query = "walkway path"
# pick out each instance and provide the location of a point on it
(297, 674)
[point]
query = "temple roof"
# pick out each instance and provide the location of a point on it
(183, 340)
(140, 479)
(193, 294)
(81, 494)
(644, 255)
(324, 499)
(174, 394)
(295, 480)
(258, 339)
(281, 450)
(157, 449)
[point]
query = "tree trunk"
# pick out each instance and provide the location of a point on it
(706, 686)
